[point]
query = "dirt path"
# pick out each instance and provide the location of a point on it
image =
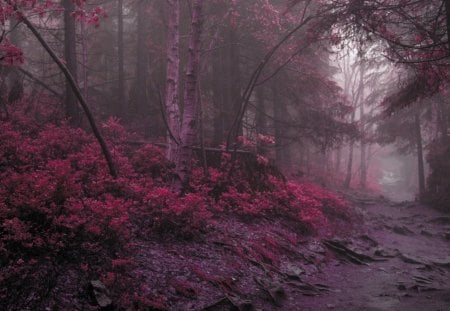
(397, 259)
(414, 242)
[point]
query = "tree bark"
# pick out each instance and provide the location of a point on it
(362, 120)
(244, 99)
(190, 108)
(261, 127)
(72, 82)
(282, 155)
(447, 11)
(337, 167)
(172, 80)
(142, 59)
(14, 79)
(218, 98)
(420, 162)
(348, 176)
(70, 99)
(120, 109)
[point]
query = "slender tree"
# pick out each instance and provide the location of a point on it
(120, 109)
(189, 121)
(172, 80)
(419, 145)
(70, 55)
(142, 58)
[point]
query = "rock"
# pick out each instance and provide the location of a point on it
(401, 286)
(381, 252)
(402, 230)
(443, 263)
(369, 240)
(274, 290)
(440, 220)
(412, 260)
(294, 272)
(351, 255)
(447, 236)
(426, 233)
(100, 293)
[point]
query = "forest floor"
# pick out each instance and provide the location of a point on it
(414, 242)
(397, 257)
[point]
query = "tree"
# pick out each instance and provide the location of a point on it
(172, 80)
(120, 109)
(15, 9)
(141, 89)
(70, 56)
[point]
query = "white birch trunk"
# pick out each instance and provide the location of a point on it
(172, 79)
(190, 109)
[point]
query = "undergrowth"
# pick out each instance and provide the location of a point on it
(59, 205)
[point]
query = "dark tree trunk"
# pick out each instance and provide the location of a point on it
(420, 162)
(120, 109)
(219, 101)
(447, 10)
(337, 167)
(15, 81)
(348, 176)
(227, 84)
(142, 60)
(234, 81)
(363, 172)
(70, 99)
(362, 120)
(76, 90)
(282, 155)
(443, 115)
(261, 127)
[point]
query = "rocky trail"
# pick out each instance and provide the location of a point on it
(407, 266)
(397, 258)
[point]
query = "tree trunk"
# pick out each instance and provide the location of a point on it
(233, 87)
(260, 121)
(120, 109)
(76, 90)
(219, 102)
(15, 82)
(226, 85)
(85, 60)
(420, 163)
(447, 9)
(142, 59)
(362, 120)
(282, 156)
(337, 167)
(348, 176)
(363, 171)
(172, 80)
(442, 117)
(70, 99)
(188, 130)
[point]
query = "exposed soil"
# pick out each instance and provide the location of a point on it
(398, 258)
(390, 257)
(415, 242)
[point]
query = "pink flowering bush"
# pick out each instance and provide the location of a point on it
(58, 201)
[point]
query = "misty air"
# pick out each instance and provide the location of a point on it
(225, 155)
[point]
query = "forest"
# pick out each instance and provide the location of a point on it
(224, 155)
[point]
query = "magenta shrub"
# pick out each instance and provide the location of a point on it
(58, 201)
